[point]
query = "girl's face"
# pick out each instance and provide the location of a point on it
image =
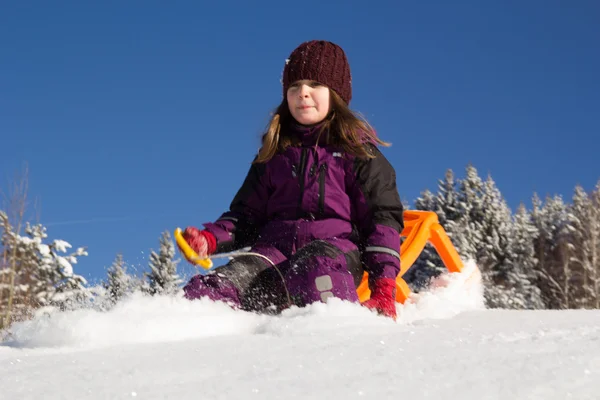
(308, 101)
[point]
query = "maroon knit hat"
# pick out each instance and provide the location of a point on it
(320, 61)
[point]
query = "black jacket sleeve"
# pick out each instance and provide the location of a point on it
(379, 215)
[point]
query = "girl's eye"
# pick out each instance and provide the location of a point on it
(315, 84)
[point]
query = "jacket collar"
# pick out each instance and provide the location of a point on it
(308, 133)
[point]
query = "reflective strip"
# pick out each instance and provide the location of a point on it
(228, 219)
(381, 249)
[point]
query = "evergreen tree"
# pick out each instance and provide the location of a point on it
(554, 250)
(56, 283)
(495, 241)
(495, 232)
(427, 201)
(119, 283)
(466, 229)
(586, 247)
(582, 213)
(595, 244)
(40, 275)
(20, 259)
(445, 204)
(428, 264)
(163, 278)
(522, 292)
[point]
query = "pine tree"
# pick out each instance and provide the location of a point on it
(465, 229)
(427, 201)
(56, 283)
(587, 246)
(119, 283)
(41, 276)
(583, 213)
(495, 241)
(428, 264)
(163, 278)
(525, 294)
(495, 233)
(554, 250)
(445, 204)
(595, 243)
(20, 259)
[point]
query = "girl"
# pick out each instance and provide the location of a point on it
(318, 207)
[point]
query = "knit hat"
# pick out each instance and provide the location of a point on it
(320, 61)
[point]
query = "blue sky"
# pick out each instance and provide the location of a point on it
(141, 116)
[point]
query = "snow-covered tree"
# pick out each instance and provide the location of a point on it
(119, 283)
(446, 201)
(466, 229)
(495, 232)
(555, 250)
(428, 264)
(595, 243)
(426, 202)
(40, 275)
(20, 259)
(523, 256)
(163, 278)
(518, 289)
(56, 283)
(587, 247)
(445, 204)
(460, 212)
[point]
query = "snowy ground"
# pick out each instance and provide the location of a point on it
(443, 346)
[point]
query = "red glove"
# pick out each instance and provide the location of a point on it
(202, 242)
(383, 297)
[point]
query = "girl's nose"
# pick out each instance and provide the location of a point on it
(304, 91)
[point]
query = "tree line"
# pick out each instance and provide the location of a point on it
(545, 257)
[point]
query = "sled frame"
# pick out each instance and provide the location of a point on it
(420, 228)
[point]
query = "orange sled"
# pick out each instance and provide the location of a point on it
(420, 227)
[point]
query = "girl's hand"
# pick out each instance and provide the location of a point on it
(383, 297)
(199, 241)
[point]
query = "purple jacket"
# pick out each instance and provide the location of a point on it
(317, 192)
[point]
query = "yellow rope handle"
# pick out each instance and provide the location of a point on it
(189, 253)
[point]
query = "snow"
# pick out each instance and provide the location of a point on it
(61, 245)
(66, 266)
(444, 345)
(44, 249)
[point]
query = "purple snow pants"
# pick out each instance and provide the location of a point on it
(319, 270)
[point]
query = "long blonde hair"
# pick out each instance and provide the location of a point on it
(347, 129)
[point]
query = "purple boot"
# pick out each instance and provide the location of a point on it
(213, 287)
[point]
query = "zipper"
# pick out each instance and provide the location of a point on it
(322, 170)
(301, 175)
